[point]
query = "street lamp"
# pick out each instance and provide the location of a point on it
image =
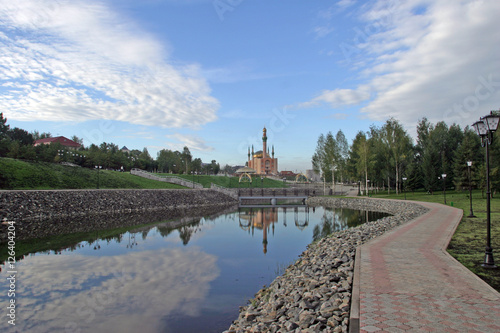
(485, 128)
(404, 186)
(98, 167)
(469, 164)
(444, 187)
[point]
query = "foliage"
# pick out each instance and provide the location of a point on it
(330, 155)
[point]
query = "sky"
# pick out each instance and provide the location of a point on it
(211, 74)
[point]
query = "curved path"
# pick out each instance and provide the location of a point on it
(407, 282)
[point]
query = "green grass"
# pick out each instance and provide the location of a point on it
(21, 175)
(231, 182)
(469, 241)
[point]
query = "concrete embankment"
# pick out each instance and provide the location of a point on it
(44, 213)
(314, 293)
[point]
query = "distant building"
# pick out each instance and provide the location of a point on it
(65, 142)
(125, 149)
(261, 161)
(288, 174)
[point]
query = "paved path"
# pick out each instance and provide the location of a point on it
(407, 282)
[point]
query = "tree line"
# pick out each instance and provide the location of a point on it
(387, 157)
(19, 144)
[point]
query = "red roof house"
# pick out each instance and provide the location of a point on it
(70, 144)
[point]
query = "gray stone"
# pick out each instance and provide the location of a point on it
(314, 293)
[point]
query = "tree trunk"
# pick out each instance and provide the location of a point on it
(388, 185)
(397, 179)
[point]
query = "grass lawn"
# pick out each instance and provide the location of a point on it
(469, 241)
(22, 175)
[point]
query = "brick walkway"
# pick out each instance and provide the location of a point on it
(407, 282)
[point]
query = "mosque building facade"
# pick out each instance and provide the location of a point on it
(261, 161)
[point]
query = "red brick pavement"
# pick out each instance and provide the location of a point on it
(409, 283)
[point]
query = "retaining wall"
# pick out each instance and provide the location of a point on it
(45, 213)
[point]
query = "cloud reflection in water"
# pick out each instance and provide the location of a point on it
(124, 293)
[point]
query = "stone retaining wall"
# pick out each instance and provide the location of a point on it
(314, 293)
(44, 213)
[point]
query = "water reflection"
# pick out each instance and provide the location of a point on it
(122, 293)
(187, 278)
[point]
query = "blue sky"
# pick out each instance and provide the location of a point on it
(210, 74)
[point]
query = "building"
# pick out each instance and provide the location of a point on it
(65, 142)
(287, 174)
(261, 161)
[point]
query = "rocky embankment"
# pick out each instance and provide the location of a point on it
(314, 293)
(46, 213)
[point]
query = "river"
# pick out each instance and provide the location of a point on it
(159, 279)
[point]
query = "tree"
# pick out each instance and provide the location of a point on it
(18, 134)
(343, 153)
(77, 140)
(168, 161)
(37, 136)
(399, 145)
(4, 128)
(186, 159)
(469, 150)
(196, 165)
(361, 156)
(327, 156)
(215, 167)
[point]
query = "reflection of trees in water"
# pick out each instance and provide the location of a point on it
(330, 222)
(185, 231)
(337, 219)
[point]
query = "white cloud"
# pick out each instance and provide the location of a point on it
(339, 116)
(339, 97)
(78, 61)
(132, 293)
(190, 141)
(345, 3)
(424, 58)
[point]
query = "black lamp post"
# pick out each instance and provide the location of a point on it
(98, 167)
(404, 186)
(485, 128)
(444, 187)
(471, 214)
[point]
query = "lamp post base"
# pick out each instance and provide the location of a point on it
(471, 215)
(488, 260)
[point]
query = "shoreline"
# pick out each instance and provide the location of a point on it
(39, 214)
(315, 293)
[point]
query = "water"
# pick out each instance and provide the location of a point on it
(157, 279)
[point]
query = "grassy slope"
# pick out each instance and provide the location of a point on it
(469, 241)
(20, 175)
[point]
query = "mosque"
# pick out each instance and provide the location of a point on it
(262, 162)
